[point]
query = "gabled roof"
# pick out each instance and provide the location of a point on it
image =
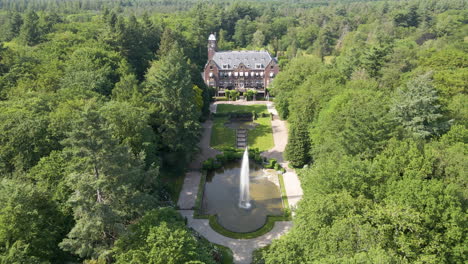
(228, 60)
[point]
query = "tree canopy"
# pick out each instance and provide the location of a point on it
(101, 104)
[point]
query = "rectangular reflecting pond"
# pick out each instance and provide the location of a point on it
(221, 197)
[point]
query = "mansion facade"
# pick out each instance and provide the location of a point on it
(238, 70)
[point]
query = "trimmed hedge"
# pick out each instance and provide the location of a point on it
(267, 227)
(220, 98)
(234, 115)
(230, 154)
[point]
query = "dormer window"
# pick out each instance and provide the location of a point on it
(225, 66)
(258, 66)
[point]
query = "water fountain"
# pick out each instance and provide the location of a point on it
(237, 207)
(244, 198)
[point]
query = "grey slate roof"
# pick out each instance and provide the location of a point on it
(249, 58)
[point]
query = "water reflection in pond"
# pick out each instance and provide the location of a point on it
(221, 197)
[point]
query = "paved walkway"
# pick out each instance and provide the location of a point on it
(189, 192)
(280, 137)
(242, 248)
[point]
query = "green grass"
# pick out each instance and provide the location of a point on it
(270, 223)
(261, 137)
(284, 196)
(222, 136)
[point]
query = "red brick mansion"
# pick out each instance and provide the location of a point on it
(238, 70)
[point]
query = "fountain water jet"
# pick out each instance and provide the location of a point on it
(244, 198)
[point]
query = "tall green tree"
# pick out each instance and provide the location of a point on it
(354, 123)
(30, 224)
(130, 126)
(161, 237)
(23, 132)
(108, 187)
(416, 107)
(169, 92)
(14, 24)
(30, 31)
(374, 58)
(298, 148)
(92, 69)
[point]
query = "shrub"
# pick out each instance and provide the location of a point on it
(221, 158)
(208, 164)
(258, 158)
(220, 98)
(254, 115)
(277, 167)
(230, 154)
(271, 164)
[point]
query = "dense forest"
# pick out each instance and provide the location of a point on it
(101, 104)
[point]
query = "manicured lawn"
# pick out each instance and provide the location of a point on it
(222, 136)
(261, 137)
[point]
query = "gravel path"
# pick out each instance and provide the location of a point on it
(242, 248)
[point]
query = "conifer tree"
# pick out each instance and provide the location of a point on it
(417, 108)
(30, 32)
(106, 183)
(298, 148)
(169, 91)
(13, 26)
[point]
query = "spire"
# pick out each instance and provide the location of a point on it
(212, 46)
(212, 37)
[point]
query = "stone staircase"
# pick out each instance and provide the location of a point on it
(241, 138)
